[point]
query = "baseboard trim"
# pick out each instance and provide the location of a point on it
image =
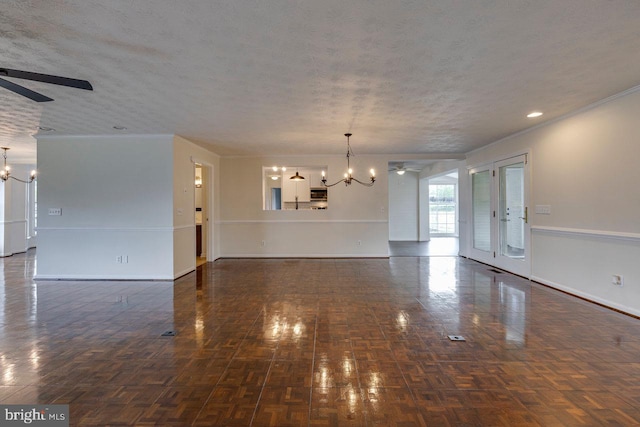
(184, 272)
(305, 256)
(587, 297)
(81, 277)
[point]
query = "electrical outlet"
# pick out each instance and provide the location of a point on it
(359, 242)
(617, 280)
(119, 259)
(264, 243)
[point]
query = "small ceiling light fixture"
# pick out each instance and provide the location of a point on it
(400, 171)
(45, 129)
(534, 114)
(297, 177)
(275, 175)
(348, 177)
(5, 173)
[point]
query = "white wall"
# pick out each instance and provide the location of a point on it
(424, 231)
(403, 206)
(441, 167)
(585, 167)
(115, 197)
(355, 223)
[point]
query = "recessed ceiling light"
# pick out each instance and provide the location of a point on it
(45, 129)
(534, 114)
(120, 128)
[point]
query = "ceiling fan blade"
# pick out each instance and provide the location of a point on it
(46, 78)
(20, 90)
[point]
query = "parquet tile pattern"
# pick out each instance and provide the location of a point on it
(317, 343)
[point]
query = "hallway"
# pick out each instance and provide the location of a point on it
(437, 246)
(317, 342)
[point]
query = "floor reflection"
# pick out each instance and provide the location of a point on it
(514, 305)
(316, 342)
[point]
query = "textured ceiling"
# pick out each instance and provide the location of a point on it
(291, 77)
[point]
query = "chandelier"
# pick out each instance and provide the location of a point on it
(5, 173)
(348, 177)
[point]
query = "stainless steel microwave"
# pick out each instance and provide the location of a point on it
(318, 194)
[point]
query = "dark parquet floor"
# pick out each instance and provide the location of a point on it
(317, 343)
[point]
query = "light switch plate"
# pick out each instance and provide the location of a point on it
(543, 209)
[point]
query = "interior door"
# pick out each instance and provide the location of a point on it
(512, 216)
(481, 214)
(500, 230)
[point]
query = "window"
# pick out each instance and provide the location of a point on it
(442, 209)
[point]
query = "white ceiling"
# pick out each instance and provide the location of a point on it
(292, 76)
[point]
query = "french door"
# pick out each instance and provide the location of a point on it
(500, 215)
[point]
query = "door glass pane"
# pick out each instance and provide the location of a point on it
(481, 206)
(512, 210)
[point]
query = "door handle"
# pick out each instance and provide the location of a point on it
(526, 215)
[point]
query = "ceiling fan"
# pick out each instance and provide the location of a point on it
(45, 78)
(400, 168)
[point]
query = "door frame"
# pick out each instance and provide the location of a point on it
(493, 257)
(208, 186)
(474, 253)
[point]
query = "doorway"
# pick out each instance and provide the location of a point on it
(500, 230)
(201, 212)
(443, 205)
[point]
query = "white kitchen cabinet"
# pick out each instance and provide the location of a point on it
(315, 179)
